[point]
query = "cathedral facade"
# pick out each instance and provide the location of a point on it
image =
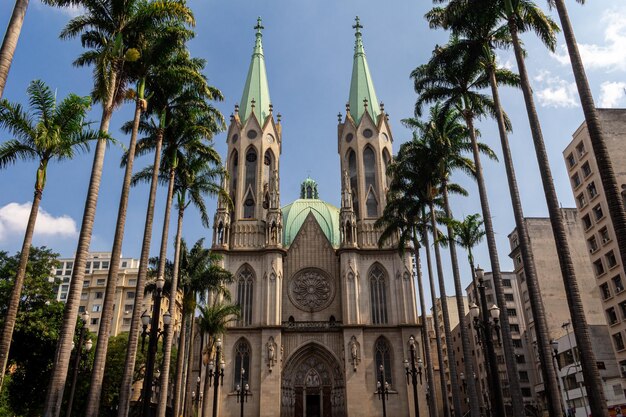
(322, 306)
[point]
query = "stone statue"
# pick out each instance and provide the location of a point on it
(354, 352)
(271, 353)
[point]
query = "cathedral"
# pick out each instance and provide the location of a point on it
(323, 307)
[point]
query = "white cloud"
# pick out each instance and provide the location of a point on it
(553, 91)
(14, 217)
(611, 93)
(610, 56)
(71, 11)
(504, 62)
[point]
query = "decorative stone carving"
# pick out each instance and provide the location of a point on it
(311, 290)
(271, 353)
(355, 352)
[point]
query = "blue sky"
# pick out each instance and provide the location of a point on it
(308, 49)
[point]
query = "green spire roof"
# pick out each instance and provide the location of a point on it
(256, 87)
(361, 86)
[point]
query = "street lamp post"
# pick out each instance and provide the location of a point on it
(154, 335)
(489, 323)
(413, 372)
(382, 389)
(216, 374)
(555, 349)
(88, 345)
(243, 391)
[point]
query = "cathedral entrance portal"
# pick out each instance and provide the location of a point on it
(313, 384)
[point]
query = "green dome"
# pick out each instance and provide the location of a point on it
(295, 214)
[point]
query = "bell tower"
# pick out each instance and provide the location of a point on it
(364, 145)
(254, 147)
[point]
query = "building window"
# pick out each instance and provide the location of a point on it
(592, 243)
(581, 200)
(618, 339)
(59, 272)
(617, 282)
(604, 235)
(105, 265)
(94, 321)
(383, 357)
(511, 312)
(591, 189)
(86, 284)
(130, 295)
(132, 281)
(124, 264)
(386, 161)
(509, 297)
(81, 309)
(234, 174)
(99, 294)
(597, 212)
(242, 361)
(506, 283)
(514, 328)
(369, 165)
(598, 267)
(96, 265)
(571, 161)
(523, 376)
(378, 295)
(622, 307)
(84, 296)
(245, 282)
(576, 180)
(610, 259)
(354, 183)
(586, 169)
(587, 221)
(101, 282)
(96, 308)
(250, 185)
(126, 321)
(605, 291)
(517, 343)
(580, 148)
(611, 316)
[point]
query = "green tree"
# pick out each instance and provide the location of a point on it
(36, 328)
(105, 28)
(457, 83)
(48, 132)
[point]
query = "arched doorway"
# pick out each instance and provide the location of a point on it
(313, 384)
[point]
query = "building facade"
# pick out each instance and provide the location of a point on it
(322, 306)
(599, 235)
(94, 287)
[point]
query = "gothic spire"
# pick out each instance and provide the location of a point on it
(362, 94)
(257, 88)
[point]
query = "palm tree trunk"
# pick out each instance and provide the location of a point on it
(483, 394)
(54, 396)
(597, 401)
(187, 400)
(443, 300)
(16, 293)
(430, 371)
(97, 373)
(596, 134)
(544, 345)
(135, 324)
(517, 401)
(433, 295)
(9, 43)
(180, 364)
(458, 290)
(169, 331)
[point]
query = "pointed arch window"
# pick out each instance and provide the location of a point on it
(245, 282)
(234, 174)
(378, 294)
(268, 165)
(386, 161)
(354, 183)
(382, 356)
(249, 202)
(241, 363)
(369, 168)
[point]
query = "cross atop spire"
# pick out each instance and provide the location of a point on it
(357, 26)
(358, 44)
(259, 27)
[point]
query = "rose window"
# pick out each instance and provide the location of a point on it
(311, 290)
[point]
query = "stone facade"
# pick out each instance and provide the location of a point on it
(322, 304)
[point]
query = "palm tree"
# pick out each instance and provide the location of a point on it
(197, 177)
(447, 141)
(104, 28)
(594, 127)
(468, 234)
(477, 32)
(213, 322)
(402, 219)
(199, 274)
(456, 84)
(154, 44)
(50, 132)
(175, 83)
(518, 14)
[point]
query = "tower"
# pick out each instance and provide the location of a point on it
(364, 144)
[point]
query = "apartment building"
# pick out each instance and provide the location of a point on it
(551, 284)
(599, 236)
(94, 288)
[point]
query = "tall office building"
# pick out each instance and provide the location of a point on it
(599, 234)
